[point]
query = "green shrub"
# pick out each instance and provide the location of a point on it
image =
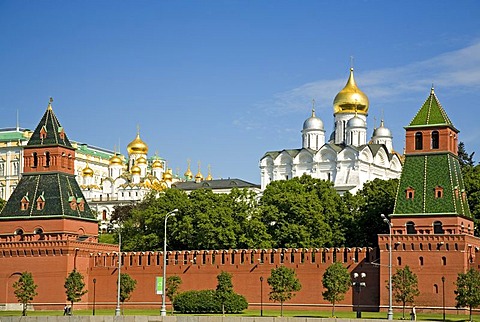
(203, 301)
(206, 301)
(235, 303)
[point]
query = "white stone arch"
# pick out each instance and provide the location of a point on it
(303, 163)
(395, 163)
(348, 154)
(366, 155)
(283, 159)
(381, 158)
(326, 154)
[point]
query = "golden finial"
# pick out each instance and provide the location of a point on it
(432, 90)
(351, 62)
(188, 174)
(50, 101)
(138, 129)
(209, 176)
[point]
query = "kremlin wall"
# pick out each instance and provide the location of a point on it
(47, 228)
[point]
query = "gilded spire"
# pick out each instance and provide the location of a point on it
(199, 175)
(188, 174)
(350, 98)
(50, 101)
(209, 177)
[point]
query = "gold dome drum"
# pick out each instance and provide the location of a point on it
(137, 146)
(351, 99)
(115, 160)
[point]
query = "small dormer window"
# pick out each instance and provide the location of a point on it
(81, 204)
(464, 196)
(72, 201)
(438, 192)
(24, 203)
(410, 193)
(43, 132)
(61, 133)
(456, 193)
(40, 203)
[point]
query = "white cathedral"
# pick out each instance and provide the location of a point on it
(347, 159)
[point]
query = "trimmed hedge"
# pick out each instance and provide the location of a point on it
(206, 301)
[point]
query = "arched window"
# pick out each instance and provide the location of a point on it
(438, 192)
(418, 141)
(35, 159)
(411, 228)
(399, 261)
(444, 261)
(435, 288)
(438, 227)
(420, 260)
(47, 159)
(409, 193)
(435, 140)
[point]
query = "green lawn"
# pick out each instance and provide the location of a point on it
(266, 313)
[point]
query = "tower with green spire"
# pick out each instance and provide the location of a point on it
(47, 202)
(431, 228)
(431, 185)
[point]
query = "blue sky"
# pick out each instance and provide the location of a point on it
(222, 82)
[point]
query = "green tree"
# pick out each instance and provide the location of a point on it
(74, 287)
(466, 160)
(224, 288)
(375, 198)
(304, 212)
(283, 283)
(25, 290)
(2, 203)
(172, 286)
(336, 281)
(404, 287)
(127, 286)
(468, 289)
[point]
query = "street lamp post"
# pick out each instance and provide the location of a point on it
(390, 306)
(117, 309)
(443, 296)
(261, 295)
(358, 283)
(94, 283)
(163, 310)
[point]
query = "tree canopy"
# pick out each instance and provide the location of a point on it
(25, 290)
(404, 287)
(336, 282)
(301, 212)
(468, 289)
(283, 283)
(74, 287)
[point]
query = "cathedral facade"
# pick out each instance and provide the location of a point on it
(347, 159)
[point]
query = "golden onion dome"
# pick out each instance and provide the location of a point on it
(137, 146)
(87, 171)
(157, 164)
(199, 176)
(167, 175)
(115, 160)
(135, 170)
(188, 174)
(351, 99)
(141, 160)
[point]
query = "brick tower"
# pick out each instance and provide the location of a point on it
(432, 228)
(46, 226)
